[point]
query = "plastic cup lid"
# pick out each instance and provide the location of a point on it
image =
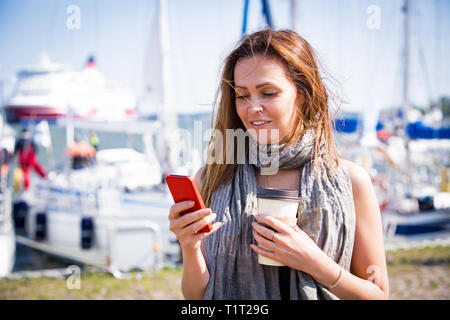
(278, 194)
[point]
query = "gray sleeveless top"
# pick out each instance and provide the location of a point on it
(326, 213)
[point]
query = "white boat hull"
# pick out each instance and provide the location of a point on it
(7, 252)
(7, 235)
(416, 230)
(134, 237)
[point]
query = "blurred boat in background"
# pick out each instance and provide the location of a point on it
(7, 234)
(411, 179)
(51, 90)
(112, 210)
(407, 155)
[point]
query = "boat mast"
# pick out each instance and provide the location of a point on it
(169, 145)
(266, 12)
(167, 103)
(406, 98)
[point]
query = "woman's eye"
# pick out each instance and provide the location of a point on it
(266, 94)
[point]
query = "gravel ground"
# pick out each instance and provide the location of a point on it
(409, 282)
(422, 274)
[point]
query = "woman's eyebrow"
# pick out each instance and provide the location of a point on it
(257, 87)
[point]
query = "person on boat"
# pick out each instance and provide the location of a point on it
(81, 153)
(271, 81)
(26, 150)
(94, 140)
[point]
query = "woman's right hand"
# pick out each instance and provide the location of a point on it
(186, 227)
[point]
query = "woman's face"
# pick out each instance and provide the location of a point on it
(264, 93)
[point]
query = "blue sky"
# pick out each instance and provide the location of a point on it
(366, 61)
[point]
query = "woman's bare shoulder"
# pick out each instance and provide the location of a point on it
(359, 177)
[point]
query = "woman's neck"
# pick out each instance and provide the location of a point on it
(283, 179)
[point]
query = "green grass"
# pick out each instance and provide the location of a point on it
(439, 255)
(413, 274)
(164, 284)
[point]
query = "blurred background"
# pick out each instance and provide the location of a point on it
(101, 99)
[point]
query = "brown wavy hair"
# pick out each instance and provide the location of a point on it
(300, 62)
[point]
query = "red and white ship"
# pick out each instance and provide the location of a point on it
(50, 90)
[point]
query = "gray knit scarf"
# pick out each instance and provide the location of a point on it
(326, 213)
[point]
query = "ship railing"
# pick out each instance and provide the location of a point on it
(93, 201)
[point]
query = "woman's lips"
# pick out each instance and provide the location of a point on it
(259, 126)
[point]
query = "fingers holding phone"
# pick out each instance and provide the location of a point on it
(177, 209)
(182, 221)
(188, 227)
(189, 219)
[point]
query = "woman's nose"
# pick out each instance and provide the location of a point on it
(255, 106)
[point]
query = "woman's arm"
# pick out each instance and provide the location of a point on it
(195, 272)
(368, 278)
(369, 258)
(195, 275)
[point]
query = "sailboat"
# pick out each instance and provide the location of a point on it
(87, 216)
(414, 211)
(429, 217)
(412, 207)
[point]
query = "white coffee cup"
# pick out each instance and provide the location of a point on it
(281, 204)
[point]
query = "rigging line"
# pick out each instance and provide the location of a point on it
(52, 25)
(151, 36)
(96, 26)
(138, 31)
(144, 29)
(399, 58)
(422, 61)
(382, 51)
(424, 69)
(416, 16)
(389, 41)
(438, 49)
(416, 45)
(261, 24)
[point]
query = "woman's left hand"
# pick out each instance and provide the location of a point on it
(288, 245)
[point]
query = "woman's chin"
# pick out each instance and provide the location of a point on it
(265, 137)
(258, 137)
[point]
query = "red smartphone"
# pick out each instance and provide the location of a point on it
(184, 188)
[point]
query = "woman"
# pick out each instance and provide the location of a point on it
(271, 82)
